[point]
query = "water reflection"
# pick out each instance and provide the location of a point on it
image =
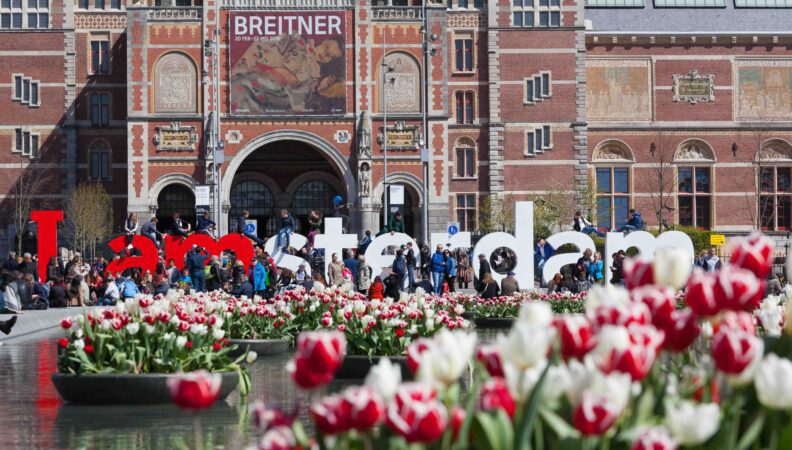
(32, 414)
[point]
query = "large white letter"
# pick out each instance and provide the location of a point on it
(334, 241)
(378, 261)
(556, 262)
(521, 243)
(287, 260)
(240, 25)
(334, 26)
(451, 241)
(646, 245)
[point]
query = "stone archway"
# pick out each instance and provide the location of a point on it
(414, 192)
(333, 157)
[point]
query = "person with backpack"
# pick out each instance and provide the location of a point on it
(450, 270)
(130, 288)
(364, 275)
(258, 277)
(409, 258)
(399, 268)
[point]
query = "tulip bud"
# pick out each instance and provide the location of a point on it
(754, 253)
(654, 439)
(774, 382)
(690, 423)
(195, 390)
(384, 378)
(495, 395)
(671, 267)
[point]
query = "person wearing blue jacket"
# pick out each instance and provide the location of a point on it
(287, 227)
(438, 269)
(196, 262)
(204, 224)
(258, 277)
(634, 222)
(130, 288)
(400, 268)
(595, 268)
(450, 270)
(542, 252)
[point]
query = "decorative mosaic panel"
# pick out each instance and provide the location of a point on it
(618, 90)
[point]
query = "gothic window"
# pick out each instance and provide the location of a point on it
(175, 84)
(465, 158)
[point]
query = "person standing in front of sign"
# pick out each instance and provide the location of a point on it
(438, 269)
(241, 222)
(712, 262)
(196, 262)
(204, 224)
(450, 270)
(287, 227)
(409, 256)
(484, 269)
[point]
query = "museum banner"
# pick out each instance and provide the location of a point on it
(287, 63)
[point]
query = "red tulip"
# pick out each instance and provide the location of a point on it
(270, 416)
(682, 330)
(278, 438)
(701, 293)
(637, 272)
(754, 253)
(416, 415)
(637, 358)
(364, 407)
(738, 289)
(495, 395)
(576, 334)
(66, 323)
(195, 390)
(329, 415)
(489, 356)
(654, 439)
(63, 342)
(661, 302)
(622, 314)
(594, 415)
(318, 357)
(457, 418)
(740, 322)
(734, 352)
(414, 351)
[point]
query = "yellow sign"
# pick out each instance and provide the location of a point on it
(175, 139)
(401, 138)
(717, 239)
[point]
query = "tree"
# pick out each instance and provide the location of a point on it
(757, 209)
(662, 151)
(553, 210)
(29, 184)
(89, 213)
(496, 213)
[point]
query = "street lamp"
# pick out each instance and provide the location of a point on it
(386, 69)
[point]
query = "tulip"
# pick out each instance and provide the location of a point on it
(195, 390)
(771, 315)
(66, 323)
(737, 354)
(269, 416)
(416, 415)
(446, 358)
(576, 335)
(63, 342)
(278, 438)
(595, 414)
(755, 253)
(585, 380)
(363, 406)
(654, 439)
(671, 267)
(682, 330)
(414, 352)
(133, 328)
(529, 340)
(495, 395)
(181, 341)
(319, 355)
(638, 272)
(738, 289)
(79, 344)
(690, 423)
(774, 382)
(522, 382)
(488, 356)
(611, 305)
(384, 378)
(251, 357)
(661, 302)
(701, 293)
(457, 419)
(634, 355)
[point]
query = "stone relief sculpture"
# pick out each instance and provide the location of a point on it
(364, 177)
(364, 137)
(694, 150)
(612, 151)
(174, 84)
(402, 90)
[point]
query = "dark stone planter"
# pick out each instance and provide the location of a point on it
(125, 389)
(468, 315)
(356, 367)
(262, 347)
(494, 322)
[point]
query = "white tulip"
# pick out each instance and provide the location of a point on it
(522, 383)
(251, 357)
(168, 336)
(459, 310)
(430, 325)
(690, 423)
(106, 325)
(79, 344)
(447, 358)
(774, 382)
(198, 329)
(527, 344)
(174, 320)
(78, 333)
(771, 314)
(133, 328)
(536, 314)
(218, 323)
(181, 341)
(671, 267)
(218, 334)
(150, 329)
(607, 294)
(384, 378)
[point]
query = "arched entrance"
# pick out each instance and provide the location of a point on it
(284, 174)
(175, 198)
(413, 202)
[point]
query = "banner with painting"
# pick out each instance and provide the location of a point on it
(287, 63)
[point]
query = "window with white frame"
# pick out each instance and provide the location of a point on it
(100, 110)
(100, 55)
(83, 4)
(26, 142)
(536, 13)
(19, 14)
(465, 158)
(101, 4)
(478, 4)
(463, 52)
(464, 107)
(537, 87)
(25, 90)
(466, 211)
(538, 140)
(99, 161)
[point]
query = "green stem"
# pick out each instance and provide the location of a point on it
(539, 435)
(774, 428)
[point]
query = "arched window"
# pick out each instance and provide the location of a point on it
(775, 181)
(465, 158)
(402, 84)
(256, 198)
(99, 161)
(465, 105)
(175, 84)
(175, 198)
(612, 159)
(313, 195)
(694, 159)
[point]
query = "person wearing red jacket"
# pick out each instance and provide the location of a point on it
(377, 289)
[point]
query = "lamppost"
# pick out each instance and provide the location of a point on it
(216, 145)
(386, 69)
(424, 142)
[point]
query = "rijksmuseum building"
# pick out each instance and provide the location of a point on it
(451, 103)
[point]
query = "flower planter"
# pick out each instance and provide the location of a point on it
(468, 315)
(494, 322)
(262, 347)
(125, 388)
(356, 367)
